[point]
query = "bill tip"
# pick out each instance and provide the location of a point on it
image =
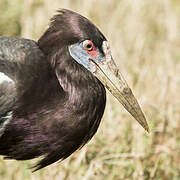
(147, 129)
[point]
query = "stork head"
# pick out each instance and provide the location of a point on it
(88, 47)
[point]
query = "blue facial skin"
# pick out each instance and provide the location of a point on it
(79, 54)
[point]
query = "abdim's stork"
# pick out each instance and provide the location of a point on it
(52, 94)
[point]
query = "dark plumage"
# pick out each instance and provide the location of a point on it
(51, 105)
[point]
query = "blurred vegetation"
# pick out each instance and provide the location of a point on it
(10, 13)
(145, 42)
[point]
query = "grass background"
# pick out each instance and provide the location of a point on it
(145, 42)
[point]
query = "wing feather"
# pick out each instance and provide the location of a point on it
(15, 55)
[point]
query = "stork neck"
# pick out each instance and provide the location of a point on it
(80, 85)
(86, 96)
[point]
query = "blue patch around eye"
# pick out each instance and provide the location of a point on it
(80, 55)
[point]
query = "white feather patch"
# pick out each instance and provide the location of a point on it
(7, 120)
(4, 78)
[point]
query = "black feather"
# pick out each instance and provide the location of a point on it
(57, 104)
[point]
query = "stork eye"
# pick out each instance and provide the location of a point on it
(88, 45)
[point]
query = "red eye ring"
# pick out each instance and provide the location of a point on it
(90, 48)
(88, 45)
